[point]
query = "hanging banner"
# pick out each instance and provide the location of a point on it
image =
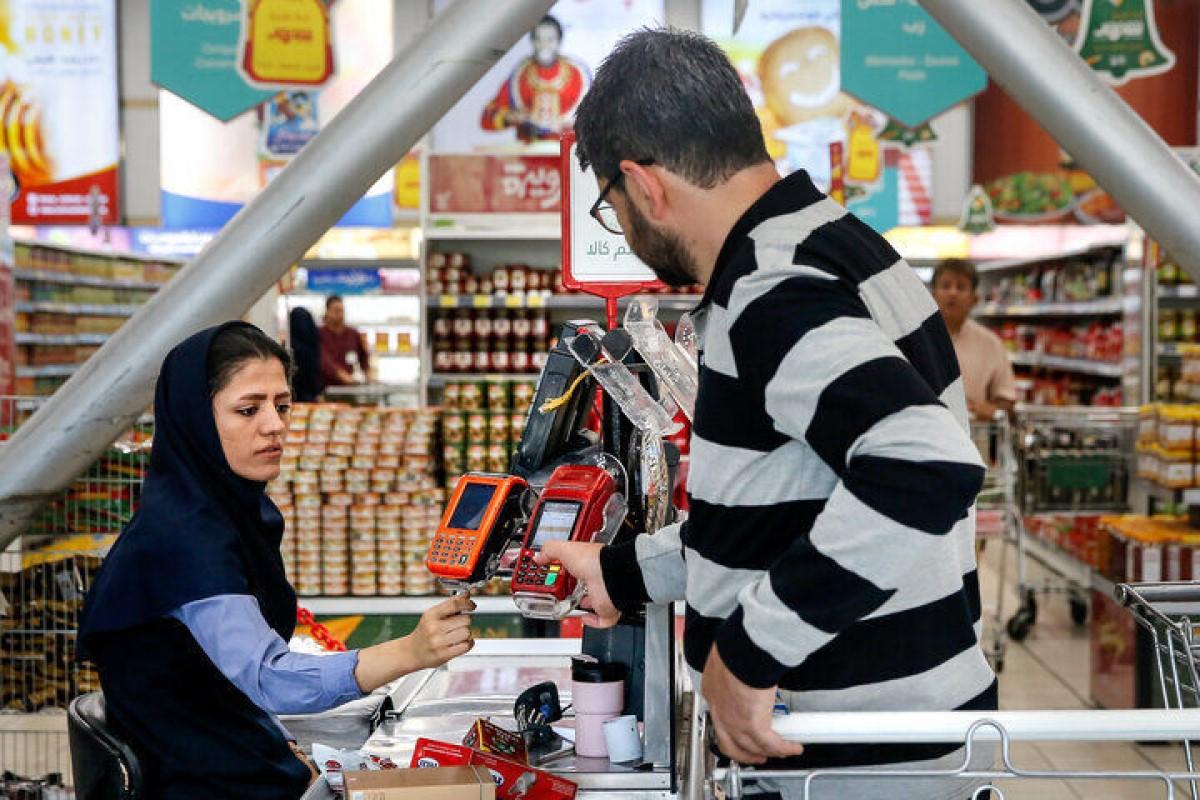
(287, 43)
(58, 109)
(897, 58)
(481, 184)
(194, 54)
(1120, 40)
(529, 97)
(210, 169)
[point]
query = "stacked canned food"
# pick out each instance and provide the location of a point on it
(357, 491)
(451, 274)
(482, 423)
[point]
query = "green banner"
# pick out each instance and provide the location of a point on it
(194, 53)
(1120, 40)
(896, 58)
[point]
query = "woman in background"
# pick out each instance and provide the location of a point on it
(305, 340)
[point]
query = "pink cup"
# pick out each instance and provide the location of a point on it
(598, 695)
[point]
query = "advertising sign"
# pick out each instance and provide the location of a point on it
(896, 58)
(530, 95)
(594, 258)
(481, 184)
(58, 109)
(1121, 41)
(286, 43)
(194, 53)
(210, 169)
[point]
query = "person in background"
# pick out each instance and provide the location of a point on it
(308, 382)
(189, 617)
(337, 341)
(987, 374)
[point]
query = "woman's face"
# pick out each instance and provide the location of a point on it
(251, 413)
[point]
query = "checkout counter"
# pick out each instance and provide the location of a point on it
(443, 703)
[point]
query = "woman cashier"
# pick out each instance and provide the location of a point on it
(189, 617)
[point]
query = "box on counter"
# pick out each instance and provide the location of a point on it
(514, 781)
(487, 737)
(450, 783)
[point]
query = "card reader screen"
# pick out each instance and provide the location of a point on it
(468, 514)
(555, 523)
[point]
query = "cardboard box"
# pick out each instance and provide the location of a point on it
(514, 781)
(448, 783)
(487, 737)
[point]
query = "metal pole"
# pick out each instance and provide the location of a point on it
(367, 138)
(1084, 115)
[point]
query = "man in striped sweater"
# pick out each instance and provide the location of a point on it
(829, 554)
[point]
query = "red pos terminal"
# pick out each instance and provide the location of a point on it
(580, 503)
(482, 516)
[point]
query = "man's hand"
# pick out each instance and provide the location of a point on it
(582, 561)
(742, 716)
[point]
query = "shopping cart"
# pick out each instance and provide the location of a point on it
(1166, 610)
(997, 514)
(1074, 464)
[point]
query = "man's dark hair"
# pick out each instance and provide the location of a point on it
(551, 21)
(234, 346)
(956, 266)
(333, 298)
(671, 96)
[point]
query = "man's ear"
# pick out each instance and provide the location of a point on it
(646, 182)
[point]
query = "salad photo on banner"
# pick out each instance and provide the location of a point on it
(529, 97)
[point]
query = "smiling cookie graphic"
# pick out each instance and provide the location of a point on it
(801, 76)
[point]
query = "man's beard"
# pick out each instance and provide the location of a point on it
(662, 252)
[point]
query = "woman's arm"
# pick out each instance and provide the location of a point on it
(230, 629)
(443, 633)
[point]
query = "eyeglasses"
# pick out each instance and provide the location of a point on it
(603, 212)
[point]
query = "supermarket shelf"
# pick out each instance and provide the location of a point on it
(555, 301)
(71, 279)
(62, 338)
(442, 378)
(1020, 263)
(494, 227)
(1078, 365)
(1156, 491)
(361, 263)
(398, 605)
(1179, 295)
(96, 310)
(1091, 308)
(1172, 349)
(47, 371)
(97, 252)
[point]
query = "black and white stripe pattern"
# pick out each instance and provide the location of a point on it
(830, 547)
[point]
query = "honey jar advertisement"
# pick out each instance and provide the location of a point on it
(58, 109)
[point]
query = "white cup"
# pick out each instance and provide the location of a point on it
(623, 740)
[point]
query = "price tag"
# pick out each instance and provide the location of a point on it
(535, 301)
(514, 301)
(482, 301)
(448, 301)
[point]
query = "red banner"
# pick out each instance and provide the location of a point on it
(69, 202)
(8, 348)
(471, 184)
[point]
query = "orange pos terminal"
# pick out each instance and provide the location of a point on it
(580, 503)
(483, 514)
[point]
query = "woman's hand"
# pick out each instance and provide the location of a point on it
(443, 633)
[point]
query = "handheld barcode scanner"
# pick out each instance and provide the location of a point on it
(580, 503)
(484, 514)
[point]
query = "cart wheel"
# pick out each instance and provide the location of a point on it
(1019, 625)
(1079, 610)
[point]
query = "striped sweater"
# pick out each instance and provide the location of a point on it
(830, 548)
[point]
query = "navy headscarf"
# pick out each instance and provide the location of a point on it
(305, 339)
(201, 530)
